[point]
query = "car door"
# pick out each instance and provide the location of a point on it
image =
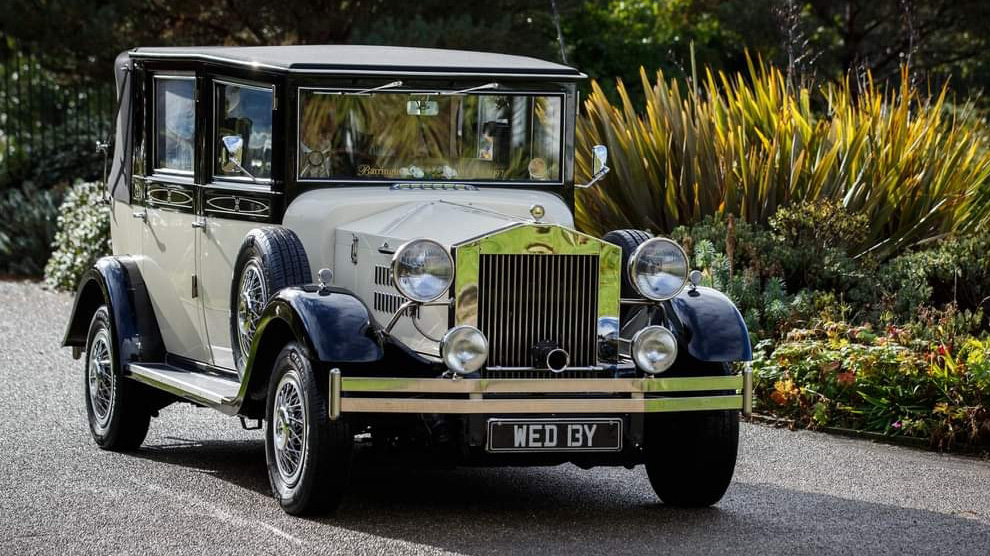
(170, 242)
(237, 199)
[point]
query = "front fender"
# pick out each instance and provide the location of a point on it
(117, 283)
(712, 326)
(333, 324)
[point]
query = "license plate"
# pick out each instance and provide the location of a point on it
(554, 435)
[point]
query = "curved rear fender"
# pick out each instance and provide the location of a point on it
(712, 326)
(334, 327)
(117, 283)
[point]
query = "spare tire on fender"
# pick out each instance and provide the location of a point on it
(270, 259)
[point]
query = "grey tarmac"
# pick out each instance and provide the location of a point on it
(200, 486)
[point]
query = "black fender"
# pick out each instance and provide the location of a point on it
(117, 283)
(711, 326)
(332, 324)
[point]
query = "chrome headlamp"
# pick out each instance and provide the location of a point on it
(422, 270)
(658, 269)
(654, 349)
(464, 349)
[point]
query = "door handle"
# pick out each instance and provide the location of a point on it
(140, 215)
(199, 223)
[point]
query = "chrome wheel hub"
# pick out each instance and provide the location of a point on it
(251, 299)
(289, 430)
(99, 375)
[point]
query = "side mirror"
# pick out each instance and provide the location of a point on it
(599, 154)
(233, 146)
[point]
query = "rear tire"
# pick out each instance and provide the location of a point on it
(308, 455)
(690, 457)
(270, 259)
(116, 408)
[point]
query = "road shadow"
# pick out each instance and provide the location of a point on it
(569, 511)
(565, 510)
(238, 462)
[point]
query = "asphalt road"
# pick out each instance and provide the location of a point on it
(199, 486)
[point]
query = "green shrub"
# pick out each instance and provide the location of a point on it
(83, 235)
(954, 270)
(27, 227)
(750, 144)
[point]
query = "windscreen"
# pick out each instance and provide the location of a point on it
(409, 136)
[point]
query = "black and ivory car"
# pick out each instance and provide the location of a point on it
(352, 241)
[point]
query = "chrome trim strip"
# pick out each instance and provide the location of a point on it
(334, 394)
(429, 74)
(747, 391)
(490, 406)
(536, 385)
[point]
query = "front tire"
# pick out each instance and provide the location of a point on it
(690, 457)
(115, 407)
(308, 455)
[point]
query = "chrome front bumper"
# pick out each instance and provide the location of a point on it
(608, 395)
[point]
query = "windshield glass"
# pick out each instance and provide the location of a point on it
(428, 136)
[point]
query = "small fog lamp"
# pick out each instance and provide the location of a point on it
(654, 349)
(464, 349)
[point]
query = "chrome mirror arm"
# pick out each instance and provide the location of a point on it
(594, 179)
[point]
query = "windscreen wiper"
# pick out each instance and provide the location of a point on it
(486, 86)
(391, 85)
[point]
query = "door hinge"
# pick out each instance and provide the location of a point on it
(195, 286)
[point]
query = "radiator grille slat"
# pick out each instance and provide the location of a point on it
(526, 299)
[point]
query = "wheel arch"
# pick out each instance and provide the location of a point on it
(117, 283)
(711, 326)
(334, 327)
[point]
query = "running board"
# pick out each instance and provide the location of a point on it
(201, 388)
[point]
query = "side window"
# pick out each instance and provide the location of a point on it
(175, 123)
(137, 123)
(243, 130)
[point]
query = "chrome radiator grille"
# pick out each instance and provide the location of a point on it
(526, 299)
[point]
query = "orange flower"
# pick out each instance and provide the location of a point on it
(778, 398)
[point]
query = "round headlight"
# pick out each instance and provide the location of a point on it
(654, 349)
(658, 269)
(464, 349)
(422, 270)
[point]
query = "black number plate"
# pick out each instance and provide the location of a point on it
(554, 435)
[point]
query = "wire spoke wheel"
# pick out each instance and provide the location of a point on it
(251, 300)
(289, 430)
(99, 374)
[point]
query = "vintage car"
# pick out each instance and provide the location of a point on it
(377, 243)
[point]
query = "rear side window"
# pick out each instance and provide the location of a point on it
(244, 112)
(175, 123)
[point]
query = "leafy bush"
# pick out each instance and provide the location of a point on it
(83, 235)
(749, 145)
(835, 375)
(26, 229)
(955, 270)
(783, 276)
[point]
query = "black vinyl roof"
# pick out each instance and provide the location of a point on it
(359, 59)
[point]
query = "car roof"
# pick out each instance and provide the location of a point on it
(365, 59)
